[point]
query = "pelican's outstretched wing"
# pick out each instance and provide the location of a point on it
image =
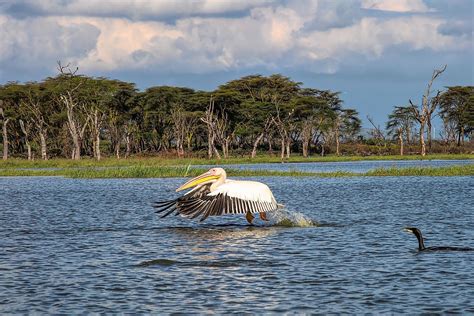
(222, 204)
(233, 197)
(172, 205)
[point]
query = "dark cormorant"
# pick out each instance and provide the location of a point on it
(421, 244)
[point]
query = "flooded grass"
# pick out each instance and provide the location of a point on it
(461, 170)
(160, 161)
(144, 171)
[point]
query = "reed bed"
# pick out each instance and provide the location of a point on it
(160, 161)
(144, 171)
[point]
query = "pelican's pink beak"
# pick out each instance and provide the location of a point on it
(203, 178)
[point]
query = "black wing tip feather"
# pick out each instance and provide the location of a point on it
(162, 206)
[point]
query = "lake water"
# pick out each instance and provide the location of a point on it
(73, 245)
(351, 166)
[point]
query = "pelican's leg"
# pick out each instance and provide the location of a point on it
(249, 217)
(263, 216)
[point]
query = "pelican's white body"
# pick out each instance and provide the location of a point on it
(246, 190)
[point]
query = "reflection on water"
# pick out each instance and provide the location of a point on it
(70, 245)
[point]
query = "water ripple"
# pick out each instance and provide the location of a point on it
(70, 246)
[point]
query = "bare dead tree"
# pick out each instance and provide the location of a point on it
(32, 104)
(26, 129)
(266, 127)
(223, 135)
(190, 130)
(115, 131)
(129, 128)
(307, 135)
(423, 115)
(75, 125)
(378, 135)
(377, 131)
(96, 119)
(210, 120)
(323, 139)
(284, 126)
(449, 132)
(433, 104)
(5, 121)
(312, 132)
(399, 133)
(180, 129)
(336, 131)
(66, 69)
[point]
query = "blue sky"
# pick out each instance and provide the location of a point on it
(378, 53)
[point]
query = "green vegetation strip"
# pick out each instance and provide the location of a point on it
(160, 161)
(170, 171)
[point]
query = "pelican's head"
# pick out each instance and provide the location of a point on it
(207, 177)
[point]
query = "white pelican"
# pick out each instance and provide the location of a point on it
(215, 195)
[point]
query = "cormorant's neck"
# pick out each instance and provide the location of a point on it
(421, 244)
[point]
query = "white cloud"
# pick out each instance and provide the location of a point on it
(396, 5)
(193, 44)
(31, 42)
(121, 41)
(371, 37)
(133, 9)
(316, 35)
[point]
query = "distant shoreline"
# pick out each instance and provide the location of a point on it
(156, 167)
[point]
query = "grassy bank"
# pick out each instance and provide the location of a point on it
(142, 171)
(160, 161)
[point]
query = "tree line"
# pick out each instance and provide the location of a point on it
(414, 123)
(72, 115)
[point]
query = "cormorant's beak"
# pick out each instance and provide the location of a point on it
(206, 176)
(407, 230)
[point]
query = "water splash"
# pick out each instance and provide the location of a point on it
(286, 218)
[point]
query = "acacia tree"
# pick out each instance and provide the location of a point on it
(210, 119)
(323, 118)
(97, 95)
(96, 115)
(10, 96)
(179, 125)
(345, 124)
(184, 125)
(266, 127)
(26, 129)
(35, 108)
(228, 118)
(70, 115)
(224, 133)
(399, 125)
(123, 111)
(457, 110)
(265, 101)
(311, 110)
(280, 91)
(247, 101)
(424, 114)
(158, 104)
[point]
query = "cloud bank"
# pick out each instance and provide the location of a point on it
(206, 36)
